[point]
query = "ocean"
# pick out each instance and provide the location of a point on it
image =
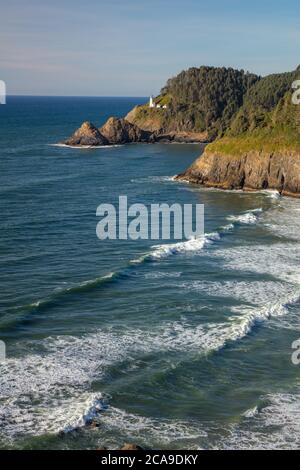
(182, 345)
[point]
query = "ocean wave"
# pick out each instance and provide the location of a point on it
(59, 293)
(153, 179)
(275, 424)
(157, 253)
(272, 194)
(279, 260)
(83, 147)
(162, 275)
(249, 217)
(194, 244)
(150, 431)
(51, 391)
(248, 292)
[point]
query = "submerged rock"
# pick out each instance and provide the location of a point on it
(87, 134)
(125, 446)
(131, 447)
(120, 131)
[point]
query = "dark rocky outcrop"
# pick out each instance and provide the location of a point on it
(88, 135)
(120, 131)
(126, 446)
(251, 171)
(131, 447)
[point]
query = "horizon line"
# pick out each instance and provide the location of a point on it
(75, 96)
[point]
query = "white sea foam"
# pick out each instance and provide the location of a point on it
(249, 217)
(153, 431)
(275, 426)
(280, 260)
(82, 147)
(50, 392)
(272, 194)
(162, 275)
(251, 292)
(251, 412)
(153, 179)
(194, 245)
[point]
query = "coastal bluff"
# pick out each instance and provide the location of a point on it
(255, 170)
(196, 106)
(250, 125)
(261, 148)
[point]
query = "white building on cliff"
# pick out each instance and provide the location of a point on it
(152, 104)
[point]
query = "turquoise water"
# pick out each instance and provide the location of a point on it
(181, 346)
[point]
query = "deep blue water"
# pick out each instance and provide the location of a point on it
(180, 346)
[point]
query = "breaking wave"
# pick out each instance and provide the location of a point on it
(50, 392)
(157, 253)
(274, 424)
(249, 217)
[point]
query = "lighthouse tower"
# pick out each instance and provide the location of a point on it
(151, 102)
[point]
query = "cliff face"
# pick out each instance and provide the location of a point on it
(254, 170)
(261, 148)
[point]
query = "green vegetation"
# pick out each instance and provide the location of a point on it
(267, 121)
(206, 98)
(239, 111)
(198, 100)
(260, 100)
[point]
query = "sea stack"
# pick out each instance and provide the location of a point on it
(120, 131)
(87, 135)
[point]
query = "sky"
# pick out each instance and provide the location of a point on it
(131, 47)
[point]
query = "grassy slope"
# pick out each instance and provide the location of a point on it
(268, 121)
(150, 118)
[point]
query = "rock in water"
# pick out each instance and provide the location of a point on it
(130, 447)
(120, 131)
(87, 134)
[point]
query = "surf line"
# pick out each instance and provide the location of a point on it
(157, 253)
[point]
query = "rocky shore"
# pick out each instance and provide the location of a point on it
(253, 134)
(118, 131)
(255, 170)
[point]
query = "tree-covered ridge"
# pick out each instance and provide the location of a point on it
(261, 99)
(198, 100)
(267, 122)
(206, 98)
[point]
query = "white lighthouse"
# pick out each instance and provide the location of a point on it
(151, 102)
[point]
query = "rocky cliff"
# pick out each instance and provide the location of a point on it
(261, 148)
(253, 170)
